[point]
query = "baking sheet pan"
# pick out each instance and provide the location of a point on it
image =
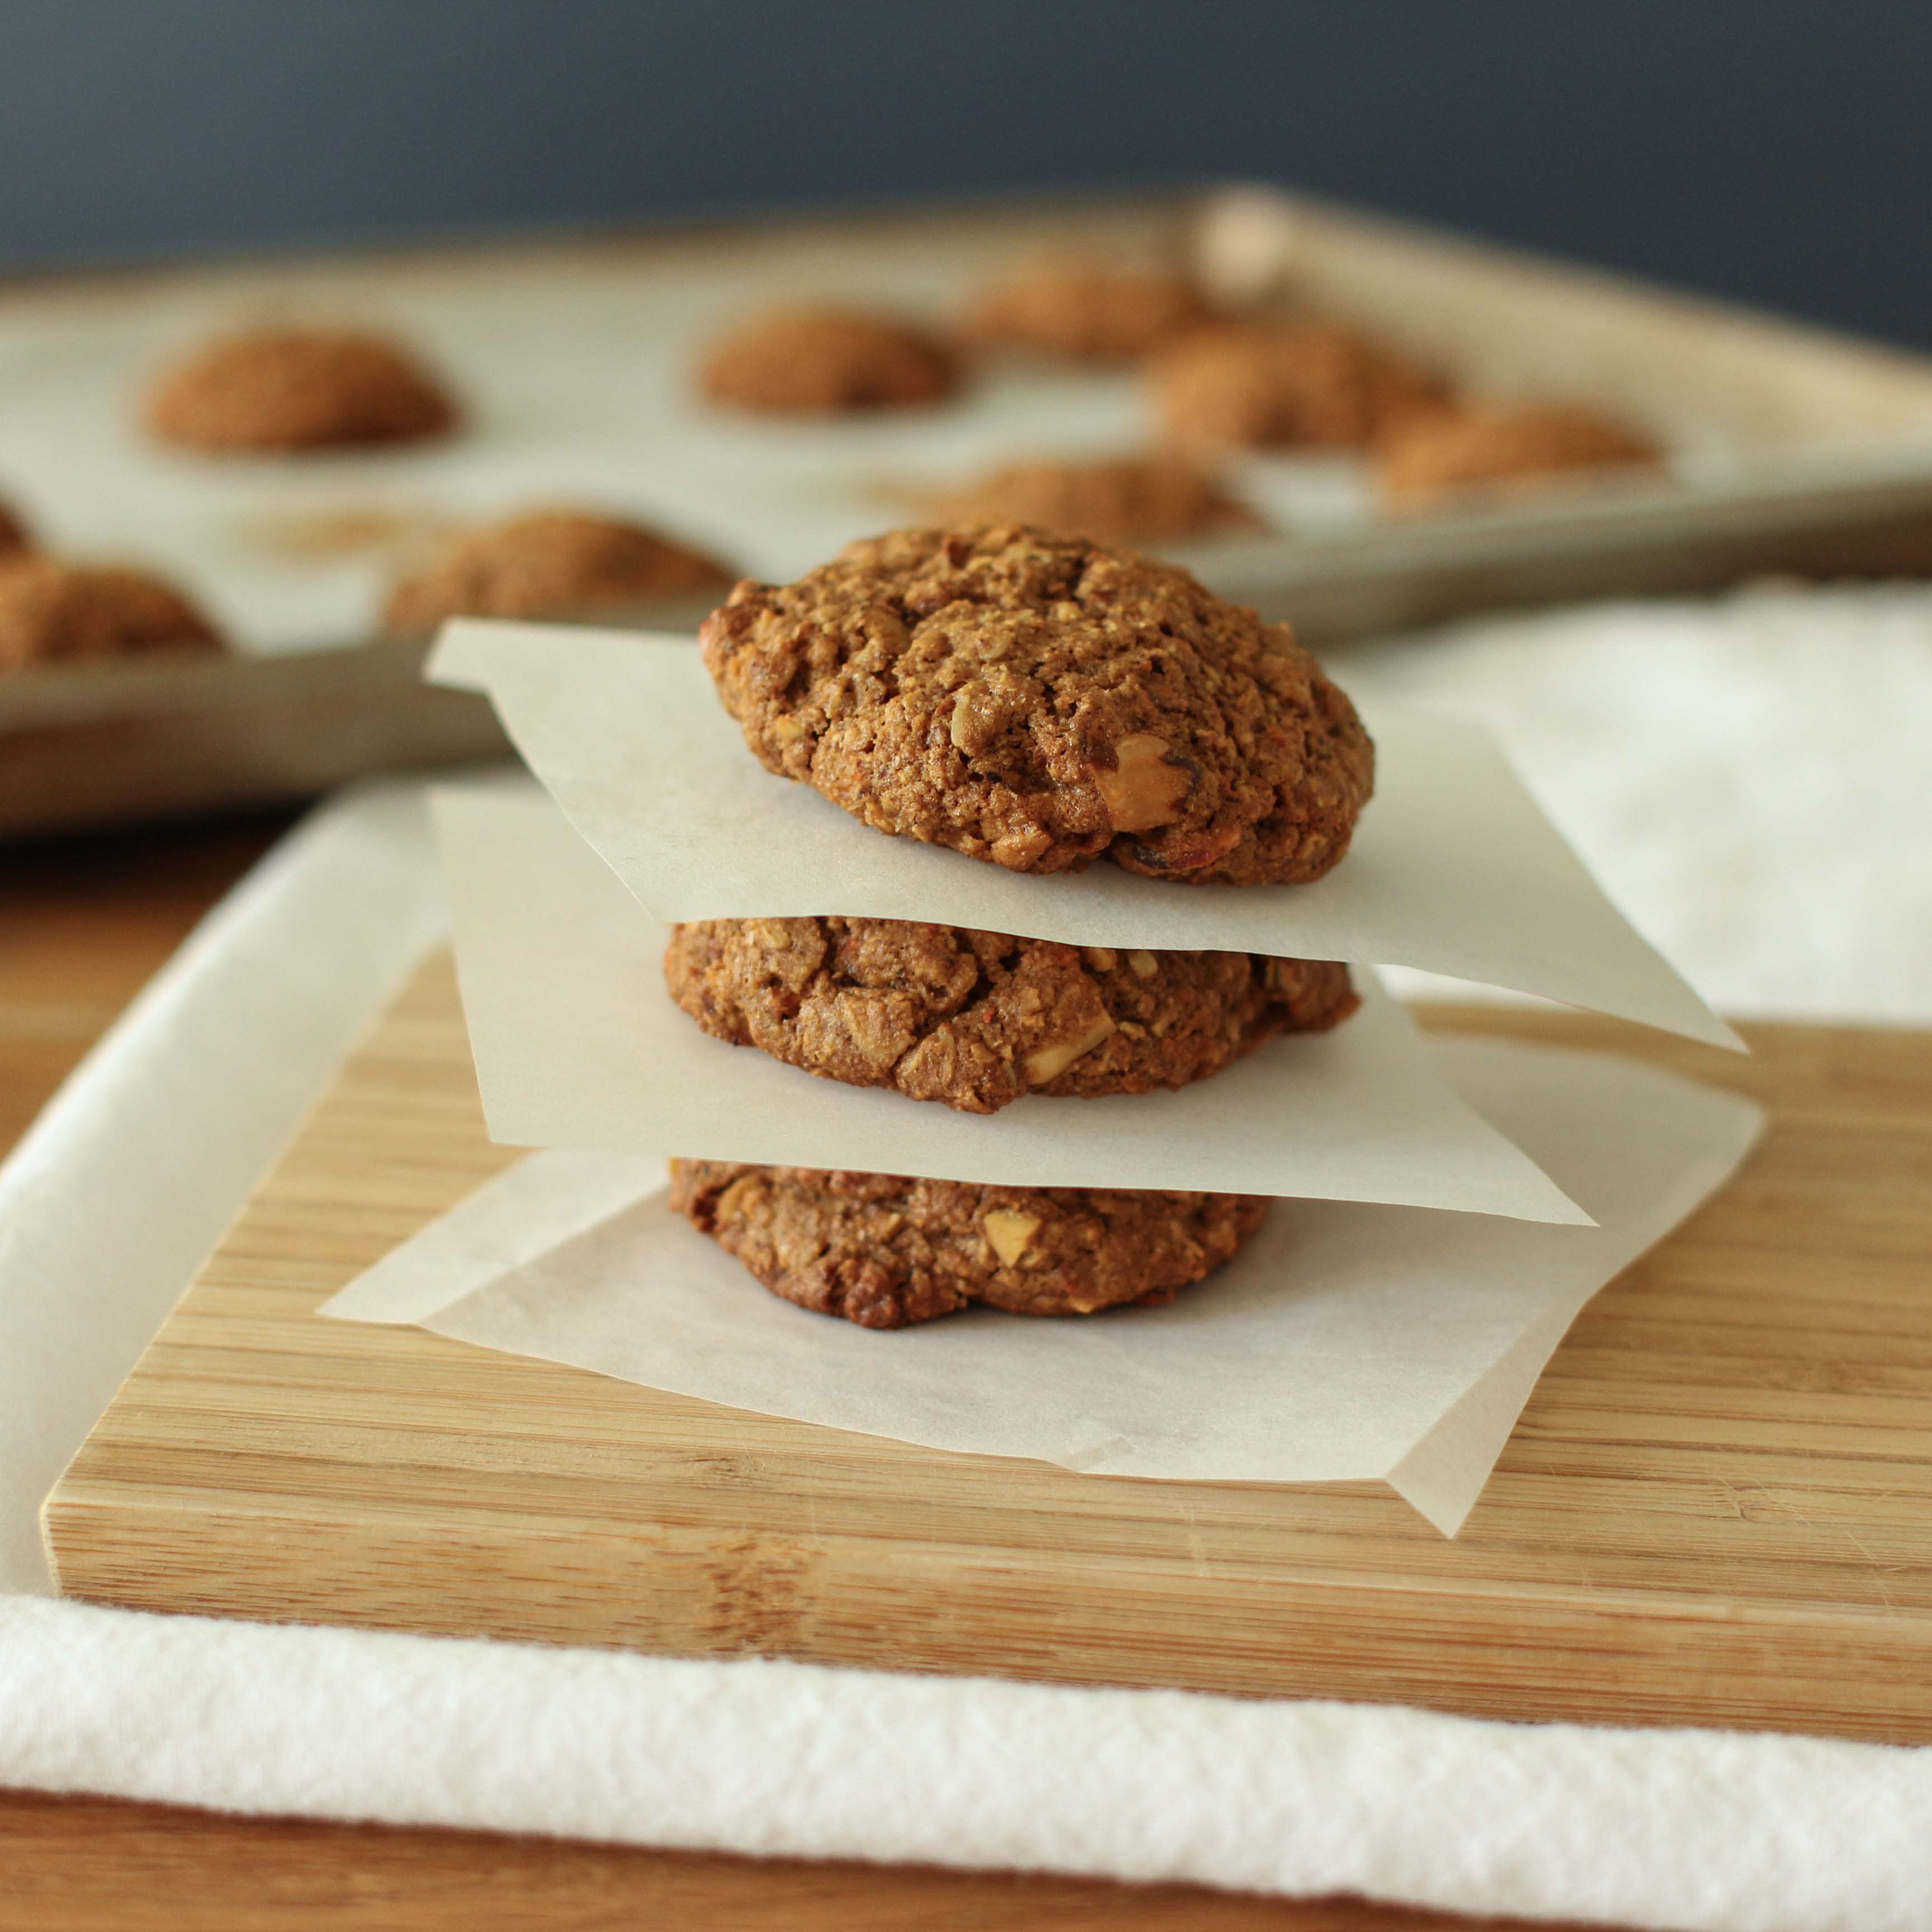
(1791, 450)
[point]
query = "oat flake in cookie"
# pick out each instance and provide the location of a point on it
(974, 1020)
(1036, 700)
(885, 1251)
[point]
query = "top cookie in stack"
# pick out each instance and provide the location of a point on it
(1037, 702)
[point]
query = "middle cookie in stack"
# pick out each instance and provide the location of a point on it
(975, 1019)
(1036, 702)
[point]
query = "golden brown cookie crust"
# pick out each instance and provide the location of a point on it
(549, 563)
(1127, 499)
(974, 1020)
(1087, 311)
(1434, 456)
(278, 391)
(1036, 700)
(1317, 386)
(826, 361)
(884, 1251)
(54, 613)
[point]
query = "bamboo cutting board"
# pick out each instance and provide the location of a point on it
(1717, 1508)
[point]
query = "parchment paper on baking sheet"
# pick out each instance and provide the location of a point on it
(1453, 869)
(1346, 1343)
(578, 1043)
(575, 375)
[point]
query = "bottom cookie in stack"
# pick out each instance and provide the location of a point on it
(887, 1250)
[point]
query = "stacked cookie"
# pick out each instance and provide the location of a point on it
(1041, 704)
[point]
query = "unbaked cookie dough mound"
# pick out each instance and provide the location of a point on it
(280, 390)
(52, 613)
(1124, 500)
(1288, 385)
(974, 1020)
(826, 361)
(1087, 311)
(1036, 700)
(1435, 458)
(562, 564)
(885, 1251)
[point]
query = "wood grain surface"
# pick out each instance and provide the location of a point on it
(82, 925)
(93, 1865)
(1717, 1508)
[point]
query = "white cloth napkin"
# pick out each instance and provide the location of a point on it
(1748, 779)
(1670, 1829)
(1702, 1829)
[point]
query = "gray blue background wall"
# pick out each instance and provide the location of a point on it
(1776, 151)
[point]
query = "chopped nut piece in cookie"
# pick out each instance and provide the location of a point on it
(1048, 1062)
(1009, 1232)
(1145, 788)
(986, 708)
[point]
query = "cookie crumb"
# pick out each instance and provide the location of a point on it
(279, 390)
